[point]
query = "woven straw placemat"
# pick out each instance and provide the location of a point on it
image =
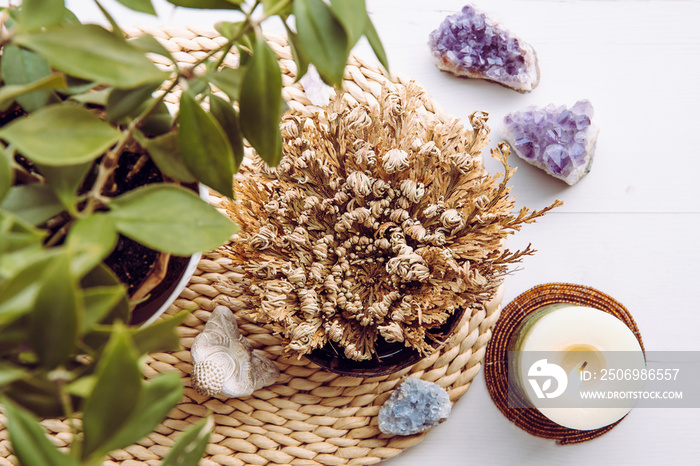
(310, 416)
(496, 366)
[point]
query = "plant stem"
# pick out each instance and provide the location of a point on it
(59, 235)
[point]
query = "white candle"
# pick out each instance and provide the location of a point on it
(581, 345)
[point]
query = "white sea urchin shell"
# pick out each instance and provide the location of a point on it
(224, 361)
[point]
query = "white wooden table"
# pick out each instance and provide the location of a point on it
(628, 228)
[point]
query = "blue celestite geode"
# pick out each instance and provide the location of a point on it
(557, 139)
(414, 406)
(472, 45)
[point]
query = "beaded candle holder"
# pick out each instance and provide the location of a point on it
(496, 367)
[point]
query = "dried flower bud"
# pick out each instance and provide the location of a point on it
(301, 336)
(412, 190)
(392, 332)
(462, 162)
(416, 231)
(395, 160)
(297, 277)
(379, 187)
(309, 303)
(263, 239)
(452, 220)
(359, 119)
(429, 149)
(290, 127)
(482, 202)
(399, 215)
(409, 267)
(352, 352)
(360, 183)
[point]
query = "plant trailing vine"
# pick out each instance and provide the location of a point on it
(77, 101)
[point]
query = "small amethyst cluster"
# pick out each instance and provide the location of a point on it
(471, 44)
(559, 140)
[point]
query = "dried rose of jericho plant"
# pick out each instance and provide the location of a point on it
(377, 222)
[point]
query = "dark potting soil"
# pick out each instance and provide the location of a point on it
(135, 169)
(132, 261)
(15, 111)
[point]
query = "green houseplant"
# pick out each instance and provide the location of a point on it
(81, 111)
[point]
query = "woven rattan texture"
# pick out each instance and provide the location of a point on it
(496, 366)
(309, 417)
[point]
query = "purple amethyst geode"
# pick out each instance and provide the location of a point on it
(559, 140)
(472, 45)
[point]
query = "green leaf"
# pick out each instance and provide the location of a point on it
(6, 174)
(56, 318)
(14, 337)
(209, 4)
(102, 277)
(158, 122)
(190, 446)
(198, 85)
(61, 135)
(113, 25)
(160, 336)
(157, 399)
(115, 395)
(260, 101)
(91, 52)
(12, 262)
(227, 117)
(34, 203)
(90, 240)
(30, 443)
(38, 395)
(277, 7)
(38, 14)
(172, 219)
(204, 146)
(93, 97)
(322, 38)
(143, 6)
(228, 29)
(297, 54)
(376, 44)
(150, 44)
(353, 15)
(12, 92)
(65, 181)
(18, 293)
(9, 374)
(125, 102)
(229, 81)
(21, 67)
(82, 386)
(69, 17)
(99, 302)
(16, 235)
(165, 152)
(79, 86)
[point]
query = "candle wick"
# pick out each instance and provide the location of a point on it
(583, 366)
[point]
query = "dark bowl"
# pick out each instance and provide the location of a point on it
(160, 294)
(388, 357)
